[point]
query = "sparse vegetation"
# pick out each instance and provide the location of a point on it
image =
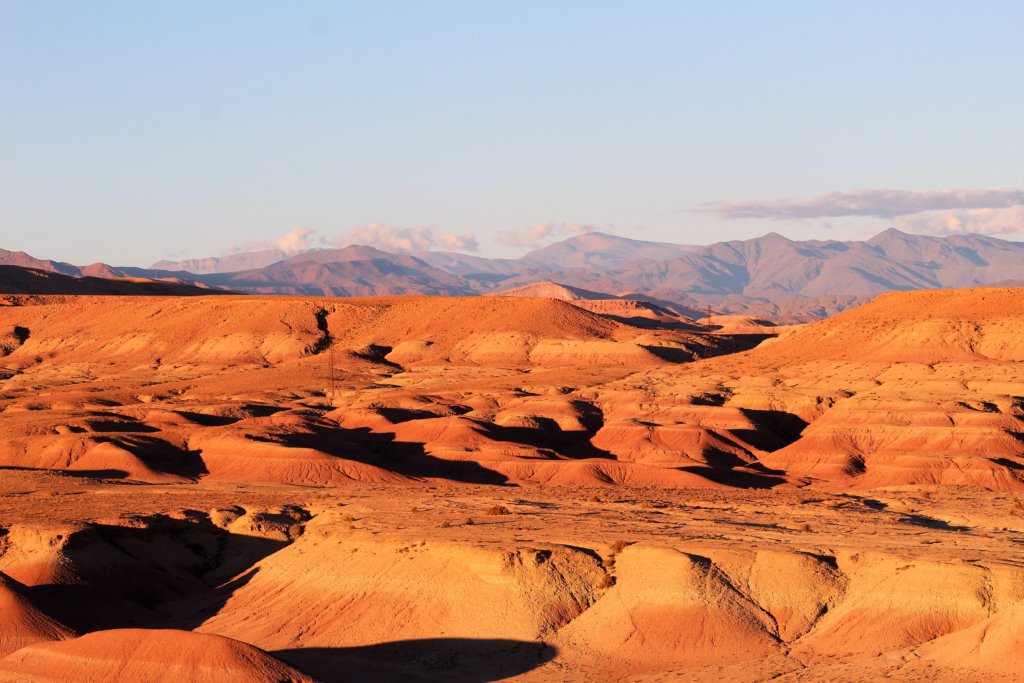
(497, 510)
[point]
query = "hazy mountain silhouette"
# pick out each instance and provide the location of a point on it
(769, 276)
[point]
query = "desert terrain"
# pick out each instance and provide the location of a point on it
(482, 488)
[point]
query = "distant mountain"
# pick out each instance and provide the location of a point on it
(770, 276)
(351, 271)
(225, 264)
(772, 266)
(600, 251)
(97, 270)
(955, 260)
(465, 264)
(23, 260)
(18, 280)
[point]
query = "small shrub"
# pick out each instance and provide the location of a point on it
(468, 521)
(804, 527)
(497, 510)
(619, 546)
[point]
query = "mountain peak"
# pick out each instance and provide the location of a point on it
(598, 250)
(774, 237)
(892, 234)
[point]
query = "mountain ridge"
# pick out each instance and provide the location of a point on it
(769, 276)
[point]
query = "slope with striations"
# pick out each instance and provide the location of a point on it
(157, 656)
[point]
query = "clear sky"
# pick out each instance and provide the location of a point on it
(137, 130)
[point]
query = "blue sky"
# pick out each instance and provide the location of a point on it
(134, 131)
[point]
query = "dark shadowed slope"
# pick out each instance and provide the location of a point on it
(18, 280)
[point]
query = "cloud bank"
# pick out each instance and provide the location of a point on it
(536, 235)
(982, 221)
(941, 212)
(385, 237)
(406, 240)
(292, 242)
(876, 203)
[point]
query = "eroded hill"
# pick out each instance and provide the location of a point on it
(470, 489)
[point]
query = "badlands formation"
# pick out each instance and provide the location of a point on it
(243, 488)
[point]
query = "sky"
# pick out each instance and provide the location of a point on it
(137, 131)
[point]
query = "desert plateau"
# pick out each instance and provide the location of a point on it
(466, 341)
(247, 488)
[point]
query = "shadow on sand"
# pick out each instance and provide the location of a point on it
(455, 660)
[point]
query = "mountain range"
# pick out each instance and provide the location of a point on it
(770, 276)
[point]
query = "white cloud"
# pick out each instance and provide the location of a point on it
(541, 232)
(1008, 221)
(292, 242)
(879, 203)
(299, 239)
(386, 237)
(452, 242)
(405, 240)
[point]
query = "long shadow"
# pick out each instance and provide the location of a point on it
(107, 474)
(773, 429)
(736, 477)
(671, 354)
(205, 420)
(408, 458)
(931, 523)
(399, 415)
(1006, 462)
(431, 660)
(190, 612)
(161, 455)
(572, 444)
(737, 343)
(722, 460)
(85, 474)
(568, 444)
(161, 574)
(119, 426)
(652, 324)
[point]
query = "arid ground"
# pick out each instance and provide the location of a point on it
(229, 488)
